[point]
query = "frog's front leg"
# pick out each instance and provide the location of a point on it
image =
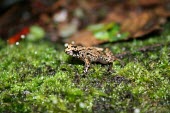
(110, 67)
(87, 65)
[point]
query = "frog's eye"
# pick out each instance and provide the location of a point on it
(72, 42)
(66, 45)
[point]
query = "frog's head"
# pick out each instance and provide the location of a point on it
(70, 49)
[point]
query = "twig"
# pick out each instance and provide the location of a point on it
(143, 49)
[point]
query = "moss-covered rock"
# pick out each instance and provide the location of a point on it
(40, 77)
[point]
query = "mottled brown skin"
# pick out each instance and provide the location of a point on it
(90, 54)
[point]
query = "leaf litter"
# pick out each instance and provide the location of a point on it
(133, 20)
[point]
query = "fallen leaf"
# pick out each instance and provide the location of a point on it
(163, 11)
(151, 2)
(140, 24)
(118, 14)
(85, 38)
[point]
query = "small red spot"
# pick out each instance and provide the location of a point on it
(15, 38)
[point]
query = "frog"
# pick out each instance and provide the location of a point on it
(90, 55)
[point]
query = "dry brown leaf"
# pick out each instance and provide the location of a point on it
(145, 3)
(140, 24)
(163, 11)
(85, 38)
(118, 14)
(150, 2)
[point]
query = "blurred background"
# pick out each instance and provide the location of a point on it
(99, 21)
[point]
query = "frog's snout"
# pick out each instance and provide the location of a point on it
(69, 52)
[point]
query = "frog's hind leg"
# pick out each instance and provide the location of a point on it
(110, 69)
(87, 65)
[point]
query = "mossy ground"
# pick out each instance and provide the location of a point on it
(40, 77)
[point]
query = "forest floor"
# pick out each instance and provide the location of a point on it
(40, 77)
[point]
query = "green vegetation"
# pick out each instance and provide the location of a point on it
(40, 77)
(109, 32)
(36, 33)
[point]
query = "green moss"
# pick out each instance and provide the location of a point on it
(40, 77)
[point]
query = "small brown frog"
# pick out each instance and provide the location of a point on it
(90, 54)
